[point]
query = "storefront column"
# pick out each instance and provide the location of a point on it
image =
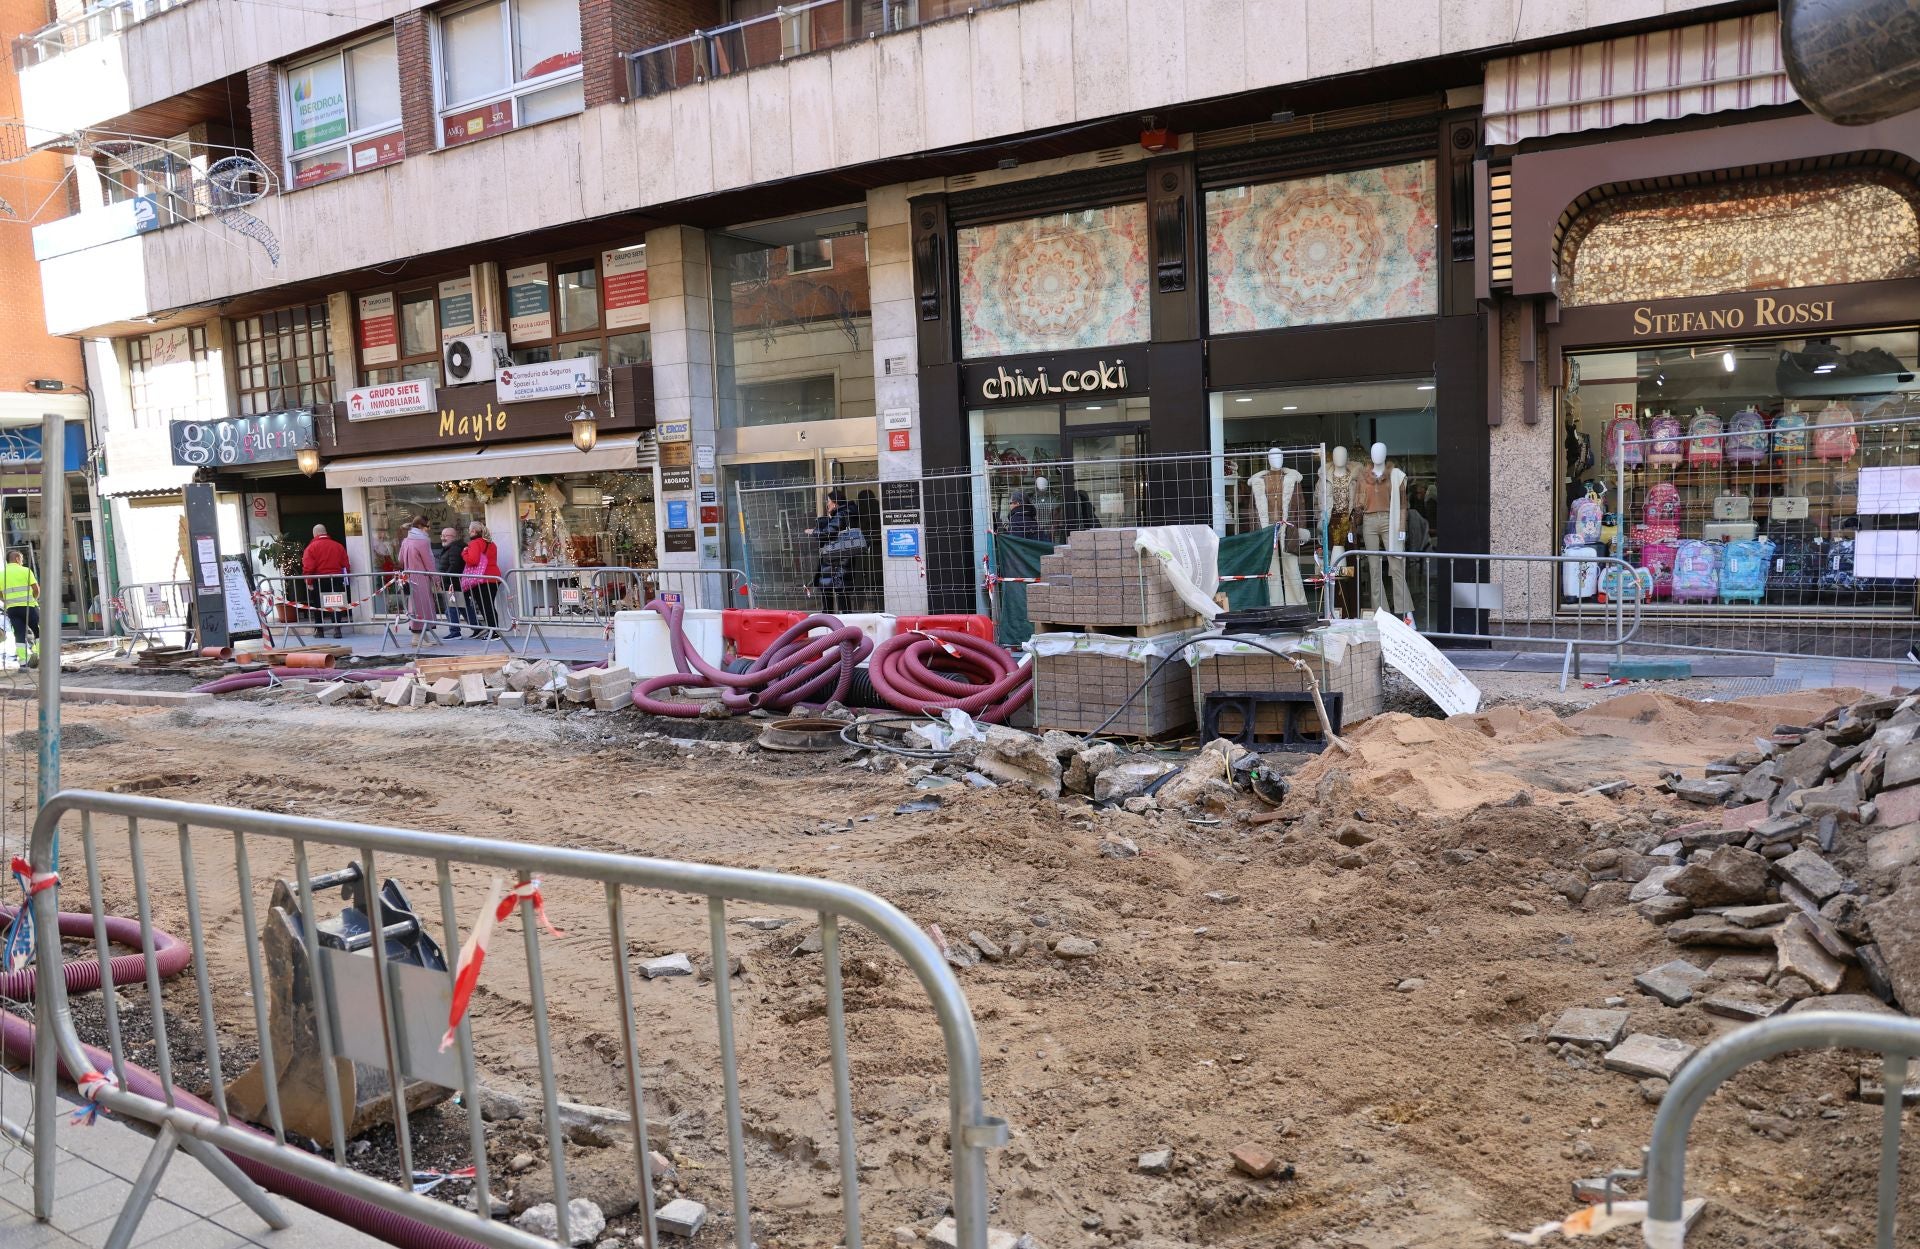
(896, 395)
(680, 295)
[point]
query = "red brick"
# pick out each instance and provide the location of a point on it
(413, 47)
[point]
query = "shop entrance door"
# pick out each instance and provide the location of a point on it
(775, 500)
(1106, 477)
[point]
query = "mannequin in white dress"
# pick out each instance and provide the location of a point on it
(1277, 501)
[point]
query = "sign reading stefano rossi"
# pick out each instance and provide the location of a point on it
(1754, 314)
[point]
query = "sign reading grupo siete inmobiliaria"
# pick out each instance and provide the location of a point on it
(551, 379)
(370, 403)
(1063, 377)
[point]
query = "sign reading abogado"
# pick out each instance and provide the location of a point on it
(1062, 377)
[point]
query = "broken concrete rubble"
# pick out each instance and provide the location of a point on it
(1730, 875)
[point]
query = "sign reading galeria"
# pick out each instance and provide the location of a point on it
(552, 379)
(257, 439)
(391, 399)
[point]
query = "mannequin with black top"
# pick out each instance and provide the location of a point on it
(1277, 501)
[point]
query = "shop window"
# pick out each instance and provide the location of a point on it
(1090, 455)
(508, 63)
(170, 376)
(1765, 234)
(583, 520)
(1355, 246)
(1750, 476)
(343, 112)
(282, 359)
(399, 336)
(581, 307)
(1054, 283)
(789, 401)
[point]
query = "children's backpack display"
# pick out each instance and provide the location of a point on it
(1790, 433)
(1625, 583)
(1836, 571)
(1666, 447)
(1746, 438)
(1696, 571)
(1743, 570)
(1620, 439)
(1583, 520)
(1660, 521)
(1830, 443)
(1656, 560)
(1703, 440)
(1796, 561)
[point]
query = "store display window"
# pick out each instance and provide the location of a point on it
(1762, 475)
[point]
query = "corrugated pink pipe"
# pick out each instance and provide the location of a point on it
(172, 955)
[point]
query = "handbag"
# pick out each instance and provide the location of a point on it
(850, 541)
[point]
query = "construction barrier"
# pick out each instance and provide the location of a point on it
(157, 613)
(400, 1003)
(1896, 1038)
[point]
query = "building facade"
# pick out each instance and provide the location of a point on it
(1127, 261)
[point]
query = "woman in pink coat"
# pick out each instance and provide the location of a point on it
(418, 562)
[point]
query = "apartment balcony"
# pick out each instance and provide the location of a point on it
(977, 78)
(126, 55)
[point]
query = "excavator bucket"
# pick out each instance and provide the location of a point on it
(417, 993)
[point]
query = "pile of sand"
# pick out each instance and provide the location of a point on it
(1437, 765)
(1653, 718)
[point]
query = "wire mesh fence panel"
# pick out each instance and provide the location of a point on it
(1796, 535)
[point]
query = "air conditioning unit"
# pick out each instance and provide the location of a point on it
(474, 358)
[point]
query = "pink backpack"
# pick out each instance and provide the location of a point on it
(1696, 571)
(1747, 438)
(1583, 520)
(1660, 521)
(1835, 444)
(1665, 432)
(1657, 559)
(1620, 439)
(1703, 440)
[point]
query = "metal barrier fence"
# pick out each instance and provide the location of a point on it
(1770, 538)
(929, 539)
(538, 594)
(410, 1004)
(1897, 1039)
(1498, 598)
(789, 31)
(421, 603)
(154, 612)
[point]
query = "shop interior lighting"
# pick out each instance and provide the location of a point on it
(1425, 386)
(1244, 399)
(308, 458)
(1828, 367)
(1726, 361)
(1289, 407)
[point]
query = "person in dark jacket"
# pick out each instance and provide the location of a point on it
(450, 559)
(1022, 520)
(836, 533)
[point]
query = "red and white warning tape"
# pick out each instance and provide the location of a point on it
(473, 954)
(92, 1084)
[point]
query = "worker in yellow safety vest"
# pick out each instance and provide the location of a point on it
(20, 589)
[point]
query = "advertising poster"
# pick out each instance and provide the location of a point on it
(529, 304)
(379, 330)
(626, 287)
(319, 93)
(456, 307)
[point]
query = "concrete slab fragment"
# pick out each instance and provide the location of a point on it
(1644, 1054)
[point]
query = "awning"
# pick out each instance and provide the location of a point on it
(419, 468)
(1726, 65)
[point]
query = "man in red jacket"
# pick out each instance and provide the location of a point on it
(325, 564)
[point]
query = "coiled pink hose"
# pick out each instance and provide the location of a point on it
(171, 956)
(902, 671)
(252, 680)
(795, 668)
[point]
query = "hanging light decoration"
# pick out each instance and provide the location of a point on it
(585, 424)
(308, 458)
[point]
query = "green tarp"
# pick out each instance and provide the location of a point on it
(1242, 555)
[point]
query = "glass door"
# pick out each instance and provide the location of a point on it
(779, 512)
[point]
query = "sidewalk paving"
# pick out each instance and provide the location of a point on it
(94, 1174)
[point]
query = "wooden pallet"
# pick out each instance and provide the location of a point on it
(458, 666)
(1179, 624)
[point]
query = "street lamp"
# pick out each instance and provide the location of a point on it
(308, 458)
(585, 424)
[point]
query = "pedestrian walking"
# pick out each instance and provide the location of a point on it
(450, 558)
(482, 578)
(418, 564)
(21, 590)
(323, 568)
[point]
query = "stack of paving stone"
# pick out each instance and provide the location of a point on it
(1801, 889)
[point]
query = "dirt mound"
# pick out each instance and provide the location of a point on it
(1664, 719)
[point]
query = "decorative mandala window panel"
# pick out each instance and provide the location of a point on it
(1056, 283)
(1761, 235)
(1356, 246)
